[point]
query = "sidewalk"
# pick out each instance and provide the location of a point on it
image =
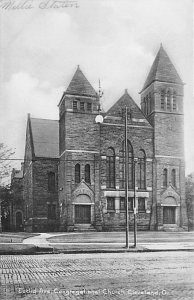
(74, 244)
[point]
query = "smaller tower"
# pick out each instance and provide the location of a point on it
(79, 151)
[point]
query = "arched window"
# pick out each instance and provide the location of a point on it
(110, 168)
(51, 181)
(87, 173)
(130, 165)
(150, 101)
(168, 101)
(174, 101)
(162, 104)
(165, 177)
(147, 105)
(77, 173)
(173, 177)
(141, 170)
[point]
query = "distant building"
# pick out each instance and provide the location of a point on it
(74, 176)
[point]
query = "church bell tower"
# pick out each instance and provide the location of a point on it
(162, 104)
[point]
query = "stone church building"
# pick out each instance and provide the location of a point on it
(74, 174)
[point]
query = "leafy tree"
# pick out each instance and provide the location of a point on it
(189, 190)
(5, 198)
(5, 161)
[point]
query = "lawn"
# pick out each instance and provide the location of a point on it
(14, 237)
(119, 237)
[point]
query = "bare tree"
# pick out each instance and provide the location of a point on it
(5, 161)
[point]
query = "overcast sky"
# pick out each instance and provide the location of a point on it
(115, 41)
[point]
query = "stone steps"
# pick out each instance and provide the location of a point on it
(84, 227)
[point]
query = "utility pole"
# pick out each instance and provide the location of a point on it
(126, 181)
(134, 204)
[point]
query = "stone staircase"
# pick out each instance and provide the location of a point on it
(173, 228)
(83, 227)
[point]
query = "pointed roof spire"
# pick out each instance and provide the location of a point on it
(162, 70)
(79, 85)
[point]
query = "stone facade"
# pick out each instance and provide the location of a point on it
(87, 159)
(17, 204)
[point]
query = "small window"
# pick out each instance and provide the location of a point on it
(77, 173)
(122, 203)
(82, 108)
(168, 101)
(173, 177)
(87, 173)
(74, 105)
(51, 211)
(51, 182)
(141, 204)
(130, 203)
(89, 106)
(110, 203)
(165, 179)
(162, 101)
(174, 101)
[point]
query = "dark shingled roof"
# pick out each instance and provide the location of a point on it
(45, 136)
(79, 85)
(162, 70)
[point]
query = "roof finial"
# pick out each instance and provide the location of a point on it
(100, 94)
(78, 67)
(126, 91)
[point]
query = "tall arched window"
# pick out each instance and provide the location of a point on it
(141, 170)
(51, 181)
(87, 173)
(110, 168)
(147, 105)
(150, 101)
(144, 101)
(173, 177)
(168, 101)
(130, 165)
(174, 101)
(77, 173)
(162, 104)
(165, 177)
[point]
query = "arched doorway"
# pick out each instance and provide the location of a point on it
(19, 221)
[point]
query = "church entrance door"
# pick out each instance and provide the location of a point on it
(169, 215)
(82, 214)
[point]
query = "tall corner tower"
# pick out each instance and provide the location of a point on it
(162, 104)
(79, 150)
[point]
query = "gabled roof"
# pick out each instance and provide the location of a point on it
(79, 85)
(45, 137)
(126, 101)
(162, 70)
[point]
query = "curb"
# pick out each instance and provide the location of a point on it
(37, 250)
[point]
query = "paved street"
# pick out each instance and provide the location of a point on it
(157, 275)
